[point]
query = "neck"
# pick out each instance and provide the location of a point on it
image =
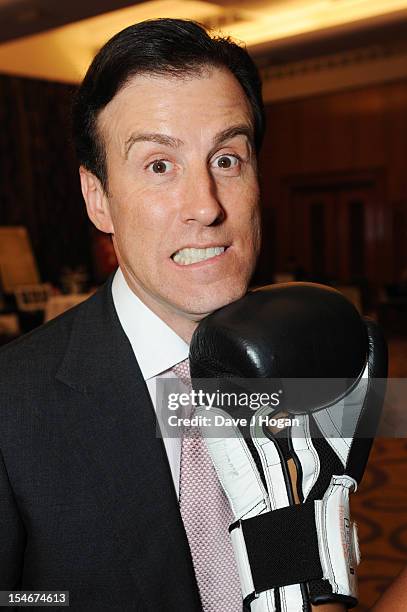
(183, 325)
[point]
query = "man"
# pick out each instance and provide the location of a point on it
(168, 123)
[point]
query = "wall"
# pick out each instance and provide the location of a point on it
(348, 131)
(39, 184)
(342, 132)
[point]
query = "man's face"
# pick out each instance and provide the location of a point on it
(182, 200)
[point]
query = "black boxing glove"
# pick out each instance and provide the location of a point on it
(294, 541)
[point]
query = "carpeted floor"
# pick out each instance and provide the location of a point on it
(380, 505)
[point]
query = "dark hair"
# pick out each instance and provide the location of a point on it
(175, 47)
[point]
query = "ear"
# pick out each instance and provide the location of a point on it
(97, 204)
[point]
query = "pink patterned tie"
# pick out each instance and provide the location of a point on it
(207, 515)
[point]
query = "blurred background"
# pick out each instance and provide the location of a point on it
(333, 176)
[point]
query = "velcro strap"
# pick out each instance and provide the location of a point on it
(282, 547)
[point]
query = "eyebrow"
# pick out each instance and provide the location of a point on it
(170, 141)
(162, 139)
(235, 130)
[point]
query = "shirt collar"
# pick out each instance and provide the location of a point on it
(156, 346)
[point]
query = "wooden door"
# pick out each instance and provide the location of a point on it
(332, 231)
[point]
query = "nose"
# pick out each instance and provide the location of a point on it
(200, 199)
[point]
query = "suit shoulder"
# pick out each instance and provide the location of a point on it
(42, 346)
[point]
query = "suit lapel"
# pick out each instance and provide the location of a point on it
(115, 431)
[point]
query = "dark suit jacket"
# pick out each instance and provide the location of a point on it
(87, 502)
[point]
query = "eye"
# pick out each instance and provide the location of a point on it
(227, 161)
(160, 166)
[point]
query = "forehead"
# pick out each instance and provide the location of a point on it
(176, 105)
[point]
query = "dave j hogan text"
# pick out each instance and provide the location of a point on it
(219, 420)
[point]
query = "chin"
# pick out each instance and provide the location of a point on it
(206, 304)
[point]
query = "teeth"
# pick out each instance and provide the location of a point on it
(190, 256)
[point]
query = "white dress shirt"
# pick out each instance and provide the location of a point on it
(157, 349)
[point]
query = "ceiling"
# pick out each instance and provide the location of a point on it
(57, 40)
(23, 17)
